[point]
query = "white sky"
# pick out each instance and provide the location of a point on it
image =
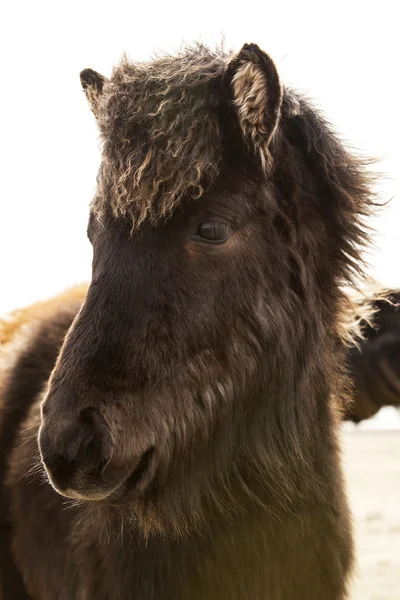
(343, 54)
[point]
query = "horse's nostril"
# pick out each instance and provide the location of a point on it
(87, 416)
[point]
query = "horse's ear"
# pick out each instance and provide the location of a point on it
(257, 97)
(92, 84)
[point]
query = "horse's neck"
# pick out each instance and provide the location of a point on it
(226, 562)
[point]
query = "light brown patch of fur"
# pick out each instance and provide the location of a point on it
(14, 323)
(11, 350)
(359, 307)
(93, 98)
(250, 92)
(19, 327)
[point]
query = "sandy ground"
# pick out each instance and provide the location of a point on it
(372, 464)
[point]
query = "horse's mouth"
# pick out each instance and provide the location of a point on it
(140, 475)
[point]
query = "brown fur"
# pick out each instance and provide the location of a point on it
(191, 414)
(143, 158)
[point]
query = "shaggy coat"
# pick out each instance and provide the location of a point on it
(182, 444)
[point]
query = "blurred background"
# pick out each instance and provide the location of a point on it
(343, 54)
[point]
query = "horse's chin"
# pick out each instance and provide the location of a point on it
(88, 493)
(145, 514)
(138, 500)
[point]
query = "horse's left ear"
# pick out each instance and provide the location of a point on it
(257, 98)
(92, 84)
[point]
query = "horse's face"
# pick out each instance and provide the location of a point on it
(147, 397)
(209, 276)
(170, 339)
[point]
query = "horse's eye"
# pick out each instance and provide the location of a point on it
(213, 231)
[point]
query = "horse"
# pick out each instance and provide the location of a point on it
(374, 362)
(172, 432)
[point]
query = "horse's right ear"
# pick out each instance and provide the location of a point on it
(92, 84)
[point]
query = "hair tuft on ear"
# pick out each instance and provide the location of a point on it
(257, 97)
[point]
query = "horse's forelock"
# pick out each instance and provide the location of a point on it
(160, 132)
